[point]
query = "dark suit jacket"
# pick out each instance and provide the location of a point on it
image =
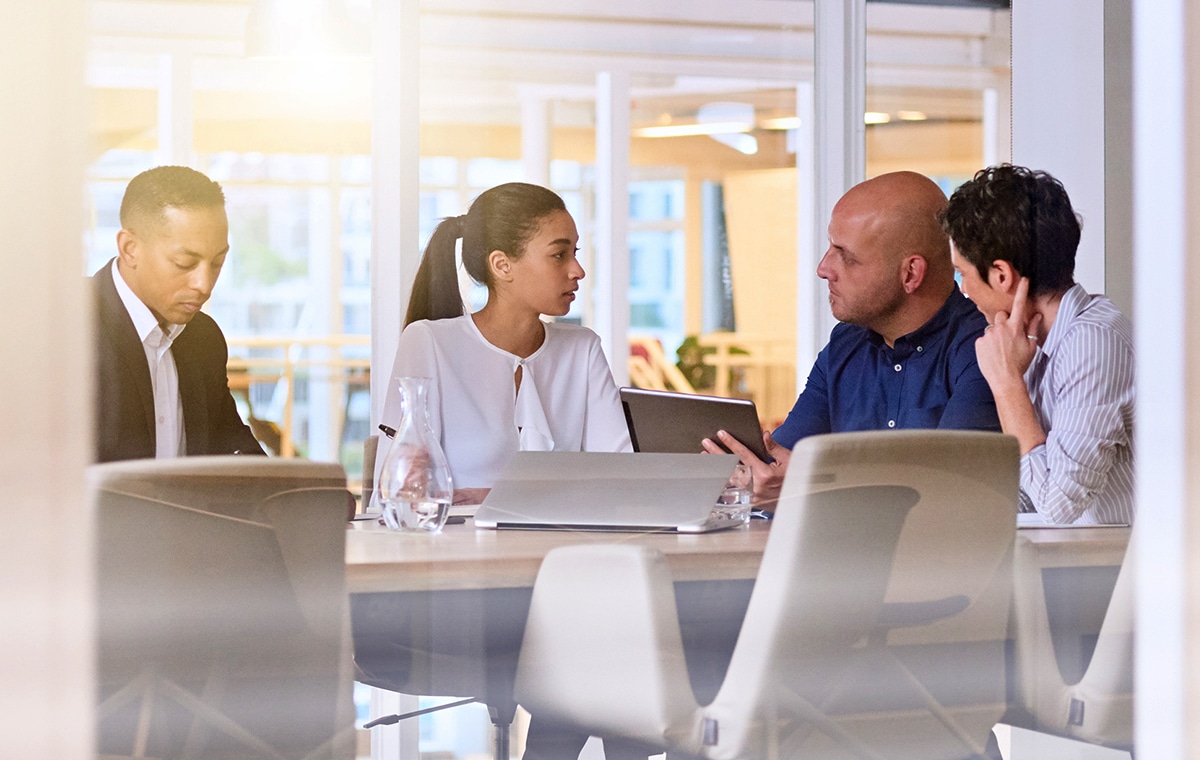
(125, 402)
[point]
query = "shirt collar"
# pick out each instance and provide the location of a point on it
(1073, 303)
(144, 320)
(934, 324)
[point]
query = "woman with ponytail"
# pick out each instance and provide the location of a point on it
(503, 379)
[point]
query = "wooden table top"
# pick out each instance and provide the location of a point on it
(463, 557)
(1066, 547)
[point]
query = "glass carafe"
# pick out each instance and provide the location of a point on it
(415, 489)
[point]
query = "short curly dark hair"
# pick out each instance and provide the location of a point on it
(1014, 214)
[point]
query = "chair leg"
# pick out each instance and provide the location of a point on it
(218, 720)
(142, 735)
(939, 712)
(211, 694)
(502, 718)
(809, 713)
(502, 741)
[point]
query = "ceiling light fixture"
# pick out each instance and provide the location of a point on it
(730, 112)
(305, 29)
(911, 115)
(876, 117)
(781, 122)
(691, 130)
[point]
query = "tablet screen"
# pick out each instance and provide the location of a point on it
(675, 423)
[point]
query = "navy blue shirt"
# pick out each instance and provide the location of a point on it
(929, 379)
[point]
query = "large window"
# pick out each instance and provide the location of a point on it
(294, 296)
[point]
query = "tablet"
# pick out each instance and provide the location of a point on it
(675, 423)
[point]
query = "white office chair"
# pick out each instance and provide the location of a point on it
(222, 625)
(876, 628)
(1093, 700)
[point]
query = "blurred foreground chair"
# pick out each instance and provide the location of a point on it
(222, 625)
(1090, 700)
(876, 628)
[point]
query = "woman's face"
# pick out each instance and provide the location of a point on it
(548, 274)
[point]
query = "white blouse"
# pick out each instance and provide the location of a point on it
(567, 400)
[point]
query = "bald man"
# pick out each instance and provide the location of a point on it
(903, 355)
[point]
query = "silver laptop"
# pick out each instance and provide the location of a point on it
(563, 490)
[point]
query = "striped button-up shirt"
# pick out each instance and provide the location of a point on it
(1081, 384)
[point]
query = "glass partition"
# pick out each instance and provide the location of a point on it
(509, 91)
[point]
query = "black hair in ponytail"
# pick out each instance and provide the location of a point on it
(503, 218)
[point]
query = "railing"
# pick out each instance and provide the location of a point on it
(650, 368)
(767, 370)
(758, 367)
(296, 357)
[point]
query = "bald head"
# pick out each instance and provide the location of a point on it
(900, 212)
(888, 264)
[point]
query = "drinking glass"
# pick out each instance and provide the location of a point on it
(734, 501)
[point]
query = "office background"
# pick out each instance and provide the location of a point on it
(1142, 151)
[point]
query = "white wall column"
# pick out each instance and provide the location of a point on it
(1058, 111)
(395, 181)
(610, 289)
(537, 136)
(175, 109)
(1166, 167)
(1118, 153)
(811, 332)
(324, 269)
(997, 127)
(840, 39)
(46, 525)
(395, 241)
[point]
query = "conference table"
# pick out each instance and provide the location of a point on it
(443, 615)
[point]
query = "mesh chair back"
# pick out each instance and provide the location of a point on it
(221, 601)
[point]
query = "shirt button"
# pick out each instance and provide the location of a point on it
(891, 423)
(897, 368)
(920, 349)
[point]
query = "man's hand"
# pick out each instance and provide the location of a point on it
(468, 496)
(768, 478)
(1009, 343)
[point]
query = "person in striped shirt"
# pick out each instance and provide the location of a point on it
(1059, 360)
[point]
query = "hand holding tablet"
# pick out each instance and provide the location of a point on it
(676, 423)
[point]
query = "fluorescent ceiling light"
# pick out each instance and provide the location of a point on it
(782, 122)
(742, 143)
(727, 123)
(876, 117)
(690, 130)
(911, 115)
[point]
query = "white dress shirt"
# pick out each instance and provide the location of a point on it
(1081, 385)
(567, 400)
(169, 438)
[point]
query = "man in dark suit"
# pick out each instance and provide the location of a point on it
(161, 386)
